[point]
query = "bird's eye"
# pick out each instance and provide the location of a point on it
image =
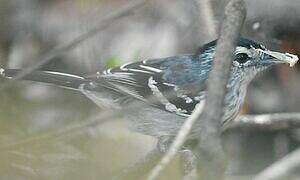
(241, 58)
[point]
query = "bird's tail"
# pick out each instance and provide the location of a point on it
(57, 78)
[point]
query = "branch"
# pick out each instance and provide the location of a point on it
(141, 167)
(176, 144)
(235, 14)
(206, 16)
(210, 147)
(265, 122)
(63, 48)
(92, 121)
(281, 169)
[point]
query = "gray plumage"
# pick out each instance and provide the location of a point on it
(168, 89)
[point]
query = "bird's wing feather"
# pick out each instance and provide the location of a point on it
(170, 83)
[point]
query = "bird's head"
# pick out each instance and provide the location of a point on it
(251, 57)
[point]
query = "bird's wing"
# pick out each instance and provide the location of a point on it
(175, 84)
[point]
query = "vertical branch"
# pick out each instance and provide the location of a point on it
(206, 16)
(210, 148)
(177, 143)
(212, 112)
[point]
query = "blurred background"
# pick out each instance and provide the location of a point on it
(30, 113)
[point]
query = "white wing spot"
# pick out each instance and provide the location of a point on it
(2, 72)
(145, 61)
(123, 67)
(187, 99)
(98, 74)
(200, 97)
(108, 71)
(138, 70)
(64, 74)
(169, 106)
(122, 73)
(151, 68)
(169, 84)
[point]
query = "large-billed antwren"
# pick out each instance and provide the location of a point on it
(168, 89)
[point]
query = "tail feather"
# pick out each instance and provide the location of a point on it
(57, 78)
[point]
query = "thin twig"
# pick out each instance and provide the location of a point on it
(282, 169)
(141, 167)
(176, 144)
(206, 16)
(210, 148)
(63, 48)
(92, 121)
(265, 122)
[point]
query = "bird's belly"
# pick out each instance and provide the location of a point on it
(154, 122)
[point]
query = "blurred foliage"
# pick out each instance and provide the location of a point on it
(85, 4)
(113, 62)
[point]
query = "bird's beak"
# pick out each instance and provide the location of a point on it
(278, 57)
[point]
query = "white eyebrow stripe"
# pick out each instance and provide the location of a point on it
(64, 74)
(240, 49)
(151, 68)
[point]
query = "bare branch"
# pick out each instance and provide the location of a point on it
(90, 122)
(63, 48)
(141, 167)
(206, 16)
(282, 169)
(176, 144)
(265, 122)
(212, 113)
(210, 148)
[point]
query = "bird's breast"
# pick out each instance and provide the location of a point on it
(234, 100)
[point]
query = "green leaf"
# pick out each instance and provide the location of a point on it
(113, 62)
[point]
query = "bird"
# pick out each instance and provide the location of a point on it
(167, 89)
